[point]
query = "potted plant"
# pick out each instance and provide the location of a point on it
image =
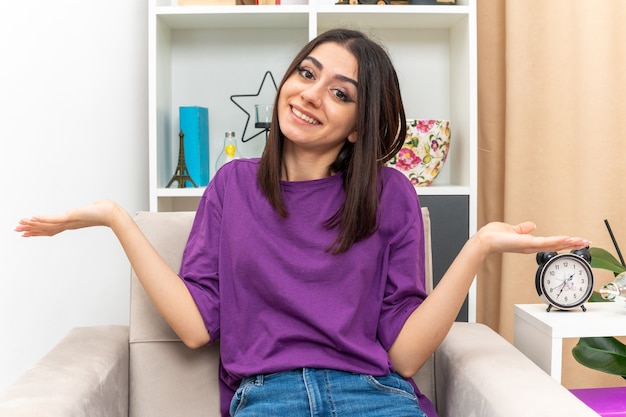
(605, 354)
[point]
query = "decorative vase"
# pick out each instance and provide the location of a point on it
(431, 1)
(424, 152)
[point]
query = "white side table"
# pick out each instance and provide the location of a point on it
(539, 335)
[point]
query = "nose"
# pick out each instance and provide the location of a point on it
(313, 94)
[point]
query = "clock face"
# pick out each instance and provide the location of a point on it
(566, 281)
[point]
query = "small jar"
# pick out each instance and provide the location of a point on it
(229, 150)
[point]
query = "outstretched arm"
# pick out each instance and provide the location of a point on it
(162, 284)
(429, 324)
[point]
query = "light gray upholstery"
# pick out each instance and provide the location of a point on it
(145, 371)
(85, 374)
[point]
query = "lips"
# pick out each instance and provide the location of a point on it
(304, 117)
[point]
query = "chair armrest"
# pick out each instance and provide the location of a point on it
(479, 373)
(85, 374)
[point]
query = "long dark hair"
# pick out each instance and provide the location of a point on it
(380, 128)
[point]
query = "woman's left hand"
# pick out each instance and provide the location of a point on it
(502, 237)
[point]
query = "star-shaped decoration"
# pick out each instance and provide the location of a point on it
(258, 93)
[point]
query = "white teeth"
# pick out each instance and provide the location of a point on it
(305, 117)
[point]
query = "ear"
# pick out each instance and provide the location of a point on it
(352, 137)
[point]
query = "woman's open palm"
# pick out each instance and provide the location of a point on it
(98, 214)
(503, 237)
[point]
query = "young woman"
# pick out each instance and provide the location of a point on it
(303, 263)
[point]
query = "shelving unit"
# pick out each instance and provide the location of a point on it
(201, 55)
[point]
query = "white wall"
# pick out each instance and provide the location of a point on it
(73, 126)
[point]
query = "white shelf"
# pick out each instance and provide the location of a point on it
(600, 319)
(297, 16)
(430, 190)
(201, 55)
(180, 192)
(539, 334)
(229, 17)
(395, 17)
(186, 199)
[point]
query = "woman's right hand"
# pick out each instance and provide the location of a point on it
(100, 213)
(162, 284)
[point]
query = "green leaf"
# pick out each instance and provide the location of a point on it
(602, 259)
(604, 354)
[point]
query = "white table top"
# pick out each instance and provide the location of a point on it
(600, 319)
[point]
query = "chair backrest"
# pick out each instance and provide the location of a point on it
(168, 379)
(425, 377)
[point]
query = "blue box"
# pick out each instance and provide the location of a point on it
(194, 123)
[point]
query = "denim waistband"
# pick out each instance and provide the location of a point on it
(315, 392)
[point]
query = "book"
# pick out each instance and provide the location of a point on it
(194, 123)
(207, 2)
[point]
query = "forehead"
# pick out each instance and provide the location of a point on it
(336, 58)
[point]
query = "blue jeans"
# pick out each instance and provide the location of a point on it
(324, 393)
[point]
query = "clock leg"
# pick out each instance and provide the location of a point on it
(583, 307)
(549, 308)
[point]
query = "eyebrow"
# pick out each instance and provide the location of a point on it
(338, 76)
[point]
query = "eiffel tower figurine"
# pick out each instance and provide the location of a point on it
(181, 176)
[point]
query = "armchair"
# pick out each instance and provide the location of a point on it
(144, 370)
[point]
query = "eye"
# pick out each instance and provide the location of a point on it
(305, 73)
(342, 95)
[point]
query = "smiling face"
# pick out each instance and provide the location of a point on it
(317, 104)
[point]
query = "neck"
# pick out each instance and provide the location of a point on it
(304, 171)
(305, 166)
